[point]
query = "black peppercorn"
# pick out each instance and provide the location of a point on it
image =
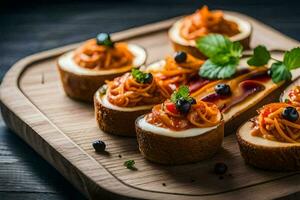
(99, 146)
(220, 168)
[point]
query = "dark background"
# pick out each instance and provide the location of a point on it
(28, 27)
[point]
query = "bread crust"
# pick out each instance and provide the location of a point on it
(82, 87)
(282, 158)
(116, 122)
(173, 151)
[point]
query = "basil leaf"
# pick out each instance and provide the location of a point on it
(213, 44)
(221, 58)
(279, 72)
(261, 56)
(236, 49)
(292, 58)
(211, 70)
(182, 92)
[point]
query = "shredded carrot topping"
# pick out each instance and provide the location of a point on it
(125, 91)
(203, 22)
(174, 74)
(202, 114)
(98, 57)
(294, 96)
(271, 125)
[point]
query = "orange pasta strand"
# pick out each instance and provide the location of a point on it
(201, 115)
(174, 74)
(271, 125)
(125, 91)
(203, 22)
(98, 57)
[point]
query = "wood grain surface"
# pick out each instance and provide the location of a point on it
(69, 128)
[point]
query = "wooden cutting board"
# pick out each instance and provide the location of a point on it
(61, 130)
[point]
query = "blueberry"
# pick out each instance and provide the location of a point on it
(223, 89)
(290, 114)
(99, 146)
(183, 106)
(180, 57)
(104, 39)
(148, 78)
(220, 168)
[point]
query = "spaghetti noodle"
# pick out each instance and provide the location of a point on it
(174, 74)
(98, 57)
(271, 125)
(201, 115)
(203, 22)
(125, 91)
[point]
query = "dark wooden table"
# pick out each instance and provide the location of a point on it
(33, 27)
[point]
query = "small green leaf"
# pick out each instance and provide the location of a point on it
(236, 49)
(223, 54)
(292, 58)
(140, 76)
(211, 70)
(129, 164)
(279, 72)
(260, 57)
(213, 44)
(182, 92)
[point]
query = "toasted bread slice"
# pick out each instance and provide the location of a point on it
(81, 83)
(169, 147)
(267, 154)
(117, 120)
(189, 46)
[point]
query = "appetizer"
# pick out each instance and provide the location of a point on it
(185, 32)
(172, 72)
(237, 84)
(85, 68)
(272, 139)
(119, 102)
(180, 130)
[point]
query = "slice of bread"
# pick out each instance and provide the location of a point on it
(81, 83)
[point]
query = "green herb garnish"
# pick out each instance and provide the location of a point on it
(260, 57)
(280, 70)
(224, 56)
(104, 39)
(140, 76)
(129, 164)
(183, 92)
